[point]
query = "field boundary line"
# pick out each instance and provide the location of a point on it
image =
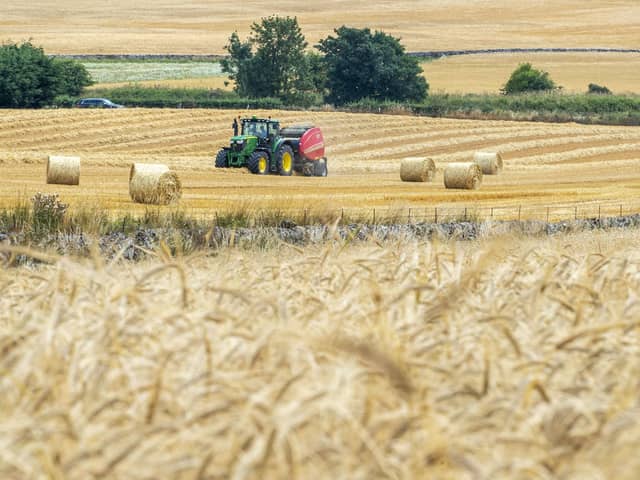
(420, 54)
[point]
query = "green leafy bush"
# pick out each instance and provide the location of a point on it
(362, 64)
(595, 89)
(48, 212)
(525, 78)
(30, 79)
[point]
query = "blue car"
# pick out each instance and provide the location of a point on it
(96, 103)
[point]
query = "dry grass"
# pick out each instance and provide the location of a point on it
(573, 71)
(503, 359)
(211, 83)
(547, 163)
(200, 26)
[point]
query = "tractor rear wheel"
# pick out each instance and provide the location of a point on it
(284, 160)
(221, 159)
(258, 163)
(321, 168)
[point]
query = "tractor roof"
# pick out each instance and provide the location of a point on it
(256, 119)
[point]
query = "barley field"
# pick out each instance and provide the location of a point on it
(545, 164)
(457, 74)
(573, 71)
(497, 359)
(203, 26)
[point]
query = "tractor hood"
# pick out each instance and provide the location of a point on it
(240, 138)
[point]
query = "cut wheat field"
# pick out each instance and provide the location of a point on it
(457, 74)
(501, 359)
(545, 164)
(203, 26)
(572, 71)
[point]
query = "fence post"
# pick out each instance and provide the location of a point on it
(374, 216)
(465, 214)
(342, 215)
(409, 219)
(435, 215)
(575, 212)
(491, 213)
(304, 221)
(519, 212)
(599, 212)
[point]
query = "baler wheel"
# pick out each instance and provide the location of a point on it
(320, 168)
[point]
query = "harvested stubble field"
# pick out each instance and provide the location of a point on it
(477, 73)
(545, 164)
(573, 71)
(203, 26)
(502, 359)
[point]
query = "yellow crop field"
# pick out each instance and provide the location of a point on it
(210, 83)
(203, 26)
(486, 73)
(573, 71)
(545, 164)
(498, 359)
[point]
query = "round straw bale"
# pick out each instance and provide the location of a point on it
(489, 162)
(153, 183)
(63, 170)
(466, 175)
(417, 169)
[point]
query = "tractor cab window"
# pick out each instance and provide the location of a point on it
(248, 128)
(273, 130)
(257, 129)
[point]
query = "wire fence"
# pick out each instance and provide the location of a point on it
(436, 214)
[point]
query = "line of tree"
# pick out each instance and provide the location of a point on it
(352, 65)
(29, 78)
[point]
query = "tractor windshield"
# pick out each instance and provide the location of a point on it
(260, 129)
(257, 129)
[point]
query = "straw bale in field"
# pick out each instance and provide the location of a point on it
(466, 175)
(489, 162)
(63, 170)
(153, 183)
(417, 169)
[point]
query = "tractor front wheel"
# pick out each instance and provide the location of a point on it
(221, 159)
(284, 160)
(258, 163)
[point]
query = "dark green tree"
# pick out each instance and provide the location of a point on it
(525, 78)
(72, 76)
(279, 67)
(238, 64)
(31, 79)
(595, 89)
(27, 76)
(361, 64)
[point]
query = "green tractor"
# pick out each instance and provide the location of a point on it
(264, 148)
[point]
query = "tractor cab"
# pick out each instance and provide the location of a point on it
(264, 129)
